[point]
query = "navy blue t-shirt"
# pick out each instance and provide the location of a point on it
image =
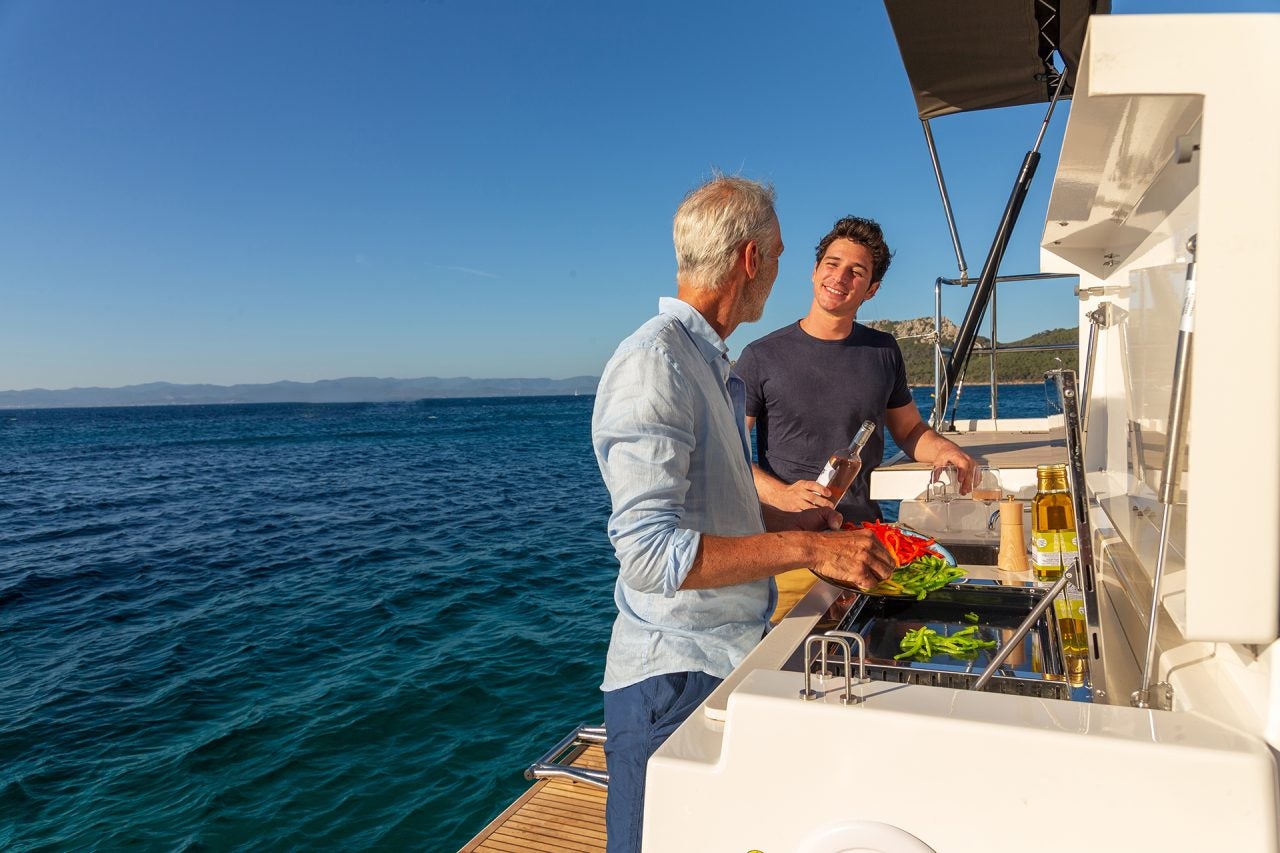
(809, 396)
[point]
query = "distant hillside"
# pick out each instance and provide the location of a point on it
(349, 390)
(1010, 367)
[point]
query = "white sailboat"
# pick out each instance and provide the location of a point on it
(1169, 182)
(1166, 207)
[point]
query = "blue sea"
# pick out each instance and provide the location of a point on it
(281, 627)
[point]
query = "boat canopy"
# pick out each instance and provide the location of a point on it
(998, 53)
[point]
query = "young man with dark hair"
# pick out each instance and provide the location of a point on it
(811, 384)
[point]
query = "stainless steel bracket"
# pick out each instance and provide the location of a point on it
(1158, 696)
(841, 639)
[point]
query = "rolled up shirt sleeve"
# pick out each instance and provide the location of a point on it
(643, 434)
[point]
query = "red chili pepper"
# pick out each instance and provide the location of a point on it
(903, 547)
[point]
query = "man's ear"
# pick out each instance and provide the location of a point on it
(751, 259)
(872, 290)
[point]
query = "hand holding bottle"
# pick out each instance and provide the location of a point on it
(801, 495)
(845, 464)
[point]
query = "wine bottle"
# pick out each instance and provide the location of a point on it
(845, 464)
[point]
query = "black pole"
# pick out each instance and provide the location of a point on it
(963, 346)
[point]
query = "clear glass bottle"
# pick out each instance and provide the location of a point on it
(1053, 524)
(845, 464)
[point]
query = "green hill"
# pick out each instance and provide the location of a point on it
(915, 340)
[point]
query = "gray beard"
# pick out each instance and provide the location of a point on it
(751, 307)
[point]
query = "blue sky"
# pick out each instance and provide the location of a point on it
(234, 191)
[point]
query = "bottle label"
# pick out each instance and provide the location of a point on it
(1073, 632)
(1072, 608)
(1054, 548)
(828, 474)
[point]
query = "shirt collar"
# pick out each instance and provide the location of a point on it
(710, 344)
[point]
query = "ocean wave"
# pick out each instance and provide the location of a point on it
(286, 628)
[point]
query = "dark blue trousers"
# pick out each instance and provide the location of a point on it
(638, 719)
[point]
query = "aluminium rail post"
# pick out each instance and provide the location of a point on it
(986, 281)
(936, 416)
(946, 200)
(956, 409)
(995, 394)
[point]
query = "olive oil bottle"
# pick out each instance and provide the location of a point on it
(1054, 547)
(1053, 524)
(1069, 611)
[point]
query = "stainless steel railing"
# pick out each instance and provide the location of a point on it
(991, 351)
(549, 766)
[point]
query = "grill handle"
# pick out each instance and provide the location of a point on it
(841, 639)
(1007, 649)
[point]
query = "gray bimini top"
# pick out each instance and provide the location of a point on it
(964, 56)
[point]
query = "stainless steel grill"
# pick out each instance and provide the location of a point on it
(1034, 668)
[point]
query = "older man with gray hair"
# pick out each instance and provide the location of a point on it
(697, 549)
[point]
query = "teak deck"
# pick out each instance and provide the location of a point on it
(553, 815)
(559, 815)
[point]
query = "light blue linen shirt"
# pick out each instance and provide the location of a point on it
(670, 438)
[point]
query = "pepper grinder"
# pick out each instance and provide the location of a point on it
(1013, 544)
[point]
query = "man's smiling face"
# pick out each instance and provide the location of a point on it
(842, 278)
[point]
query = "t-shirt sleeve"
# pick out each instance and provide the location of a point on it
(901, 393)
(747, 368)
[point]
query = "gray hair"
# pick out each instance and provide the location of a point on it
(714, 221)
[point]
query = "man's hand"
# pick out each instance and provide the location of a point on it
(966, 465)
(818, 519)
(801, 495)
(854, 557)
(925, 445)
(813, 519)
(793, 497)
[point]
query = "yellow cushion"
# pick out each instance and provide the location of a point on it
(792, 587)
